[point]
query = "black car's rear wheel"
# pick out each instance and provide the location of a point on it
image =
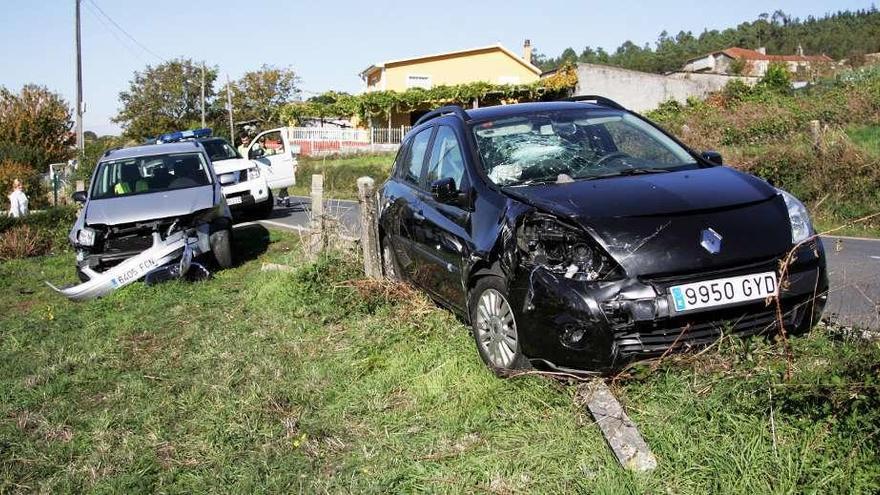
(493, 325)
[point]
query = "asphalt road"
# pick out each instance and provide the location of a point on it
(853, 264)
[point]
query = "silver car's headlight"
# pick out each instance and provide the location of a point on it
(85, 237)
(253, 173)
(801, 228)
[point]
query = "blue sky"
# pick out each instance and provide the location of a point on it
(327, 43)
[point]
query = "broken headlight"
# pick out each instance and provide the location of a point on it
(85, 237)
(564, 249)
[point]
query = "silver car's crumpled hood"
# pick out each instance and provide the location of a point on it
(145, 207)
(233, 164)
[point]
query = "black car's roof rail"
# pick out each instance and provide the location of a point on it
(449, 109)
(608, 102)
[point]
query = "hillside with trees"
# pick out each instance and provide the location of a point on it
(840, 35)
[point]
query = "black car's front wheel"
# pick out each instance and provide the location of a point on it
(493, 325)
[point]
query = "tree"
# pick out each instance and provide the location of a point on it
(165, 98)
(35, 127)
(262, 94)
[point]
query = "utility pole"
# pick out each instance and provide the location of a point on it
(79, 92)
(203, 95)
(229, 108)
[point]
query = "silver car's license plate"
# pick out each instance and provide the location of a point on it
(723, 291)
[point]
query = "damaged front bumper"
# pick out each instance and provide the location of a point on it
(181, 245)
(576, 325)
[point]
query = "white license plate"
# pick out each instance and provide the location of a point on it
(233, 201)
(723, 291)
(135, 272)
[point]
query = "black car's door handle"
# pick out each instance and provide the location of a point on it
(419, 216)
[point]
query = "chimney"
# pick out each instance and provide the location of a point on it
(527, 51)
(762, 50)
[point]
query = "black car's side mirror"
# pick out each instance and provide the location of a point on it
(444, 190)
(80, 196)
(713, 157)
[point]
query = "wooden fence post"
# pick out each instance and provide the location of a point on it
(816, 133)
(369, 227)
(317, 239)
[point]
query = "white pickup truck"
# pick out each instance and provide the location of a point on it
(248, 181)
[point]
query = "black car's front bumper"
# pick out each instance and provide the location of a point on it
(568, 324)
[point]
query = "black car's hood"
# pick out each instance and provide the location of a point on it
(654, 194)
(653, 224)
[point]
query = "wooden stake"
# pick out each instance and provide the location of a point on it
(369, 227)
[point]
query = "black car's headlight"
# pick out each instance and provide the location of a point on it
(801, 228)
(563, 248)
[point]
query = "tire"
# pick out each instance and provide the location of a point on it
(390, 268)
(221, 247)
(81, 275)
(264, 210)
(493, 326)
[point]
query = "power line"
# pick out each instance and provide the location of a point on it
(132, 38)
(110, 30)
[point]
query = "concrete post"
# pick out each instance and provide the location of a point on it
(369, 227)
(318, 235)
(816, 133)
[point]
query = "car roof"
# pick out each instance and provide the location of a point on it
(152, 149)
(502, 111)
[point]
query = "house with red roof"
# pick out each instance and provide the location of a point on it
(746, 62)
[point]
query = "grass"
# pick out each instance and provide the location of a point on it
(315, 381)
(341, 173)
(866, 137)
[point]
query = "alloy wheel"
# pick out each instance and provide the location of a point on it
(496, 329)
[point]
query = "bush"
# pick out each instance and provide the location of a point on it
(46, 231)
(777, 79)
(33, 184)
(23, 241)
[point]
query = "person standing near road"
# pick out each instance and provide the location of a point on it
(18, 201)
(245, 144)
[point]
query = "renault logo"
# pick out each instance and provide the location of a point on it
(711, 241)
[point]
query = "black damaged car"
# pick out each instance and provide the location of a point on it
(579, 236)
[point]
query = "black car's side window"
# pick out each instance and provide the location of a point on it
(446, 158)
(415, 156)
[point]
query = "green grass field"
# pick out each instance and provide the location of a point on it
(341, 173)
(315, 381)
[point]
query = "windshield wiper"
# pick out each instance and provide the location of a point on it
(631, 171)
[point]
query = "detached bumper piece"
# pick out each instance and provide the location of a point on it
(177, 246)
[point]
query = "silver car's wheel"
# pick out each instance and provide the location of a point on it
(496, 329)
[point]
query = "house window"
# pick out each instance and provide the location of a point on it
(415, 81)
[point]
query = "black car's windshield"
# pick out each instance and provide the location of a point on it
(572, 145)
(219, 149)
(149, 174)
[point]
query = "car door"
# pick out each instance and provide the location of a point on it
(276, 156)
(404, 196)
(444, 228)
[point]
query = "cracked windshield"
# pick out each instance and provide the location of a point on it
(565, 146)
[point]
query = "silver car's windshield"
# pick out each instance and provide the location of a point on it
(149, 174)
(572, 145)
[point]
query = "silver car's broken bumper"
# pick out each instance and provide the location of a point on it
(178, 245)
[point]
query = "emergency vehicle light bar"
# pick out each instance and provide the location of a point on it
(172, 137)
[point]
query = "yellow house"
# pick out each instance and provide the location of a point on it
(494, 64)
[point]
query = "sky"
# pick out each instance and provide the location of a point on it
(327, 43)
